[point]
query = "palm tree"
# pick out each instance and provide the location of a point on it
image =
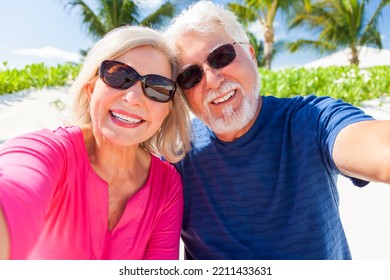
(341, 23)
(264, 11)
(258, 47)
(110, 14)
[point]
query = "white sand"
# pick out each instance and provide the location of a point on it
(30, 110)
(364, 211)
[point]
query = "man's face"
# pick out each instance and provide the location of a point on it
(226, 99)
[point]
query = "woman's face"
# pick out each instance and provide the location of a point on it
(128, 117)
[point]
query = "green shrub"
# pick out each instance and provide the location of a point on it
(349, 83)
(36, 76)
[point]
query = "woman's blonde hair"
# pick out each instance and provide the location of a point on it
(172, 140)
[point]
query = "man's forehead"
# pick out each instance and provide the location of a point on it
(194, 47)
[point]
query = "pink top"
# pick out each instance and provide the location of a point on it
(56, 206)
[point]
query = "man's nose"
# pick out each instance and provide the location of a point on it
(213, 76)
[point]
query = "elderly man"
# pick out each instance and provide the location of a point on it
(260, 181)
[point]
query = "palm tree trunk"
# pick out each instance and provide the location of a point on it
(354, 56)
(268, 46)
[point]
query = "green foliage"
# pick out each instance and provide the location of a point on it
(340, 24)
(36, 76)
(349, 83)
(101, 16)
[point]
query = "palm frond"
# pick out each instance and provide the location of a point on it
(155, 19)
(321, 46)
(245, 14)
(90, 20)
(128, 13)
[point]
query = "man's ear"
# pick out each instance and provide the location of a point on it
(252, 51)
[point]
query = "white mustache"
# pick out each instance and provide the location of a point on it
(224, 88)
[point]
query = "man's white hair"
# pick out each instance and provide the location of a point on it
(200, 17)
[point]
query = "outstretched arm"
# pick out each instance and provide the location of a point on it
(30, 168)
(4, 238)
(362, 150)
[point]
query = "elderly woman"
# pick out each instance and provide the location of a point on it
(97, 189)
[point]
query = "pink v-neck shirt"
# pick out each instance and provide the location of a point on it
(56, 206)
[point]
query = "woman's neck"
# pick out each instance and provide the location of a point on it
(112, 161)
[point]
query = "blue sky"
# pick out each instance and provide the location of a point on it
(45, 31)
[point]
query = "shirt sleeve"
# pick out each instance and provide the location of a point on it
(164, 242)
(328, 117)
(30, 170)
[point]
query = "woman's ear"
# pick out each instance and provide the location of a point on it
(90, 86)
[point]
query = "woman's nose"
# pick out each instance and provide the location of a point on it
(134, 94)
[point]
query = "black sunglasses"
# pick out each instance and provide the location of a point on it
(119, 75)
(218, 58)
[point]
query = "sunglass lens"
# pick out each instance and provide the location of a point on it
(118, 76)
(221, 56)
(190, 77)
(121, 76)
(159, 88)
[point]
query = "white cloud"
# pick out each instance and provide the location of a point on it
(256, 28)
(383, 37)
(49, 52)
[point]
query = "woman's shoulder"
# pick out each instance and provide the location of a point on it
(63, 136)
(162, 166)
(67, 132)
(46, 139)
(61, 132)
(164, 174)
(165, 180)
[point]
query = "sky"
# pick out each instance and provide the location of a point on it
(47, 31)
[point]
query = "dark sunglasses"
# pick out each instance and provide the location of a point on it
(218, 58)
(119, 75)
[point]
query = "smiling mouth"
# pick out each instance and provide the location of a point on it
(224, 98)
(124, 118)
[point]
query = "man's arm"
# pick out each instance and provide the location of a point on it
(4, 238)
(362, 150)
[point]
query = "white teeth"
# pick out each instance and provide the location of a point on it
(225, 97)
(124, 118)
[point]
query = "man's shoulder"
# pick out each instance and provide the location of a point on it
(301, 104)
